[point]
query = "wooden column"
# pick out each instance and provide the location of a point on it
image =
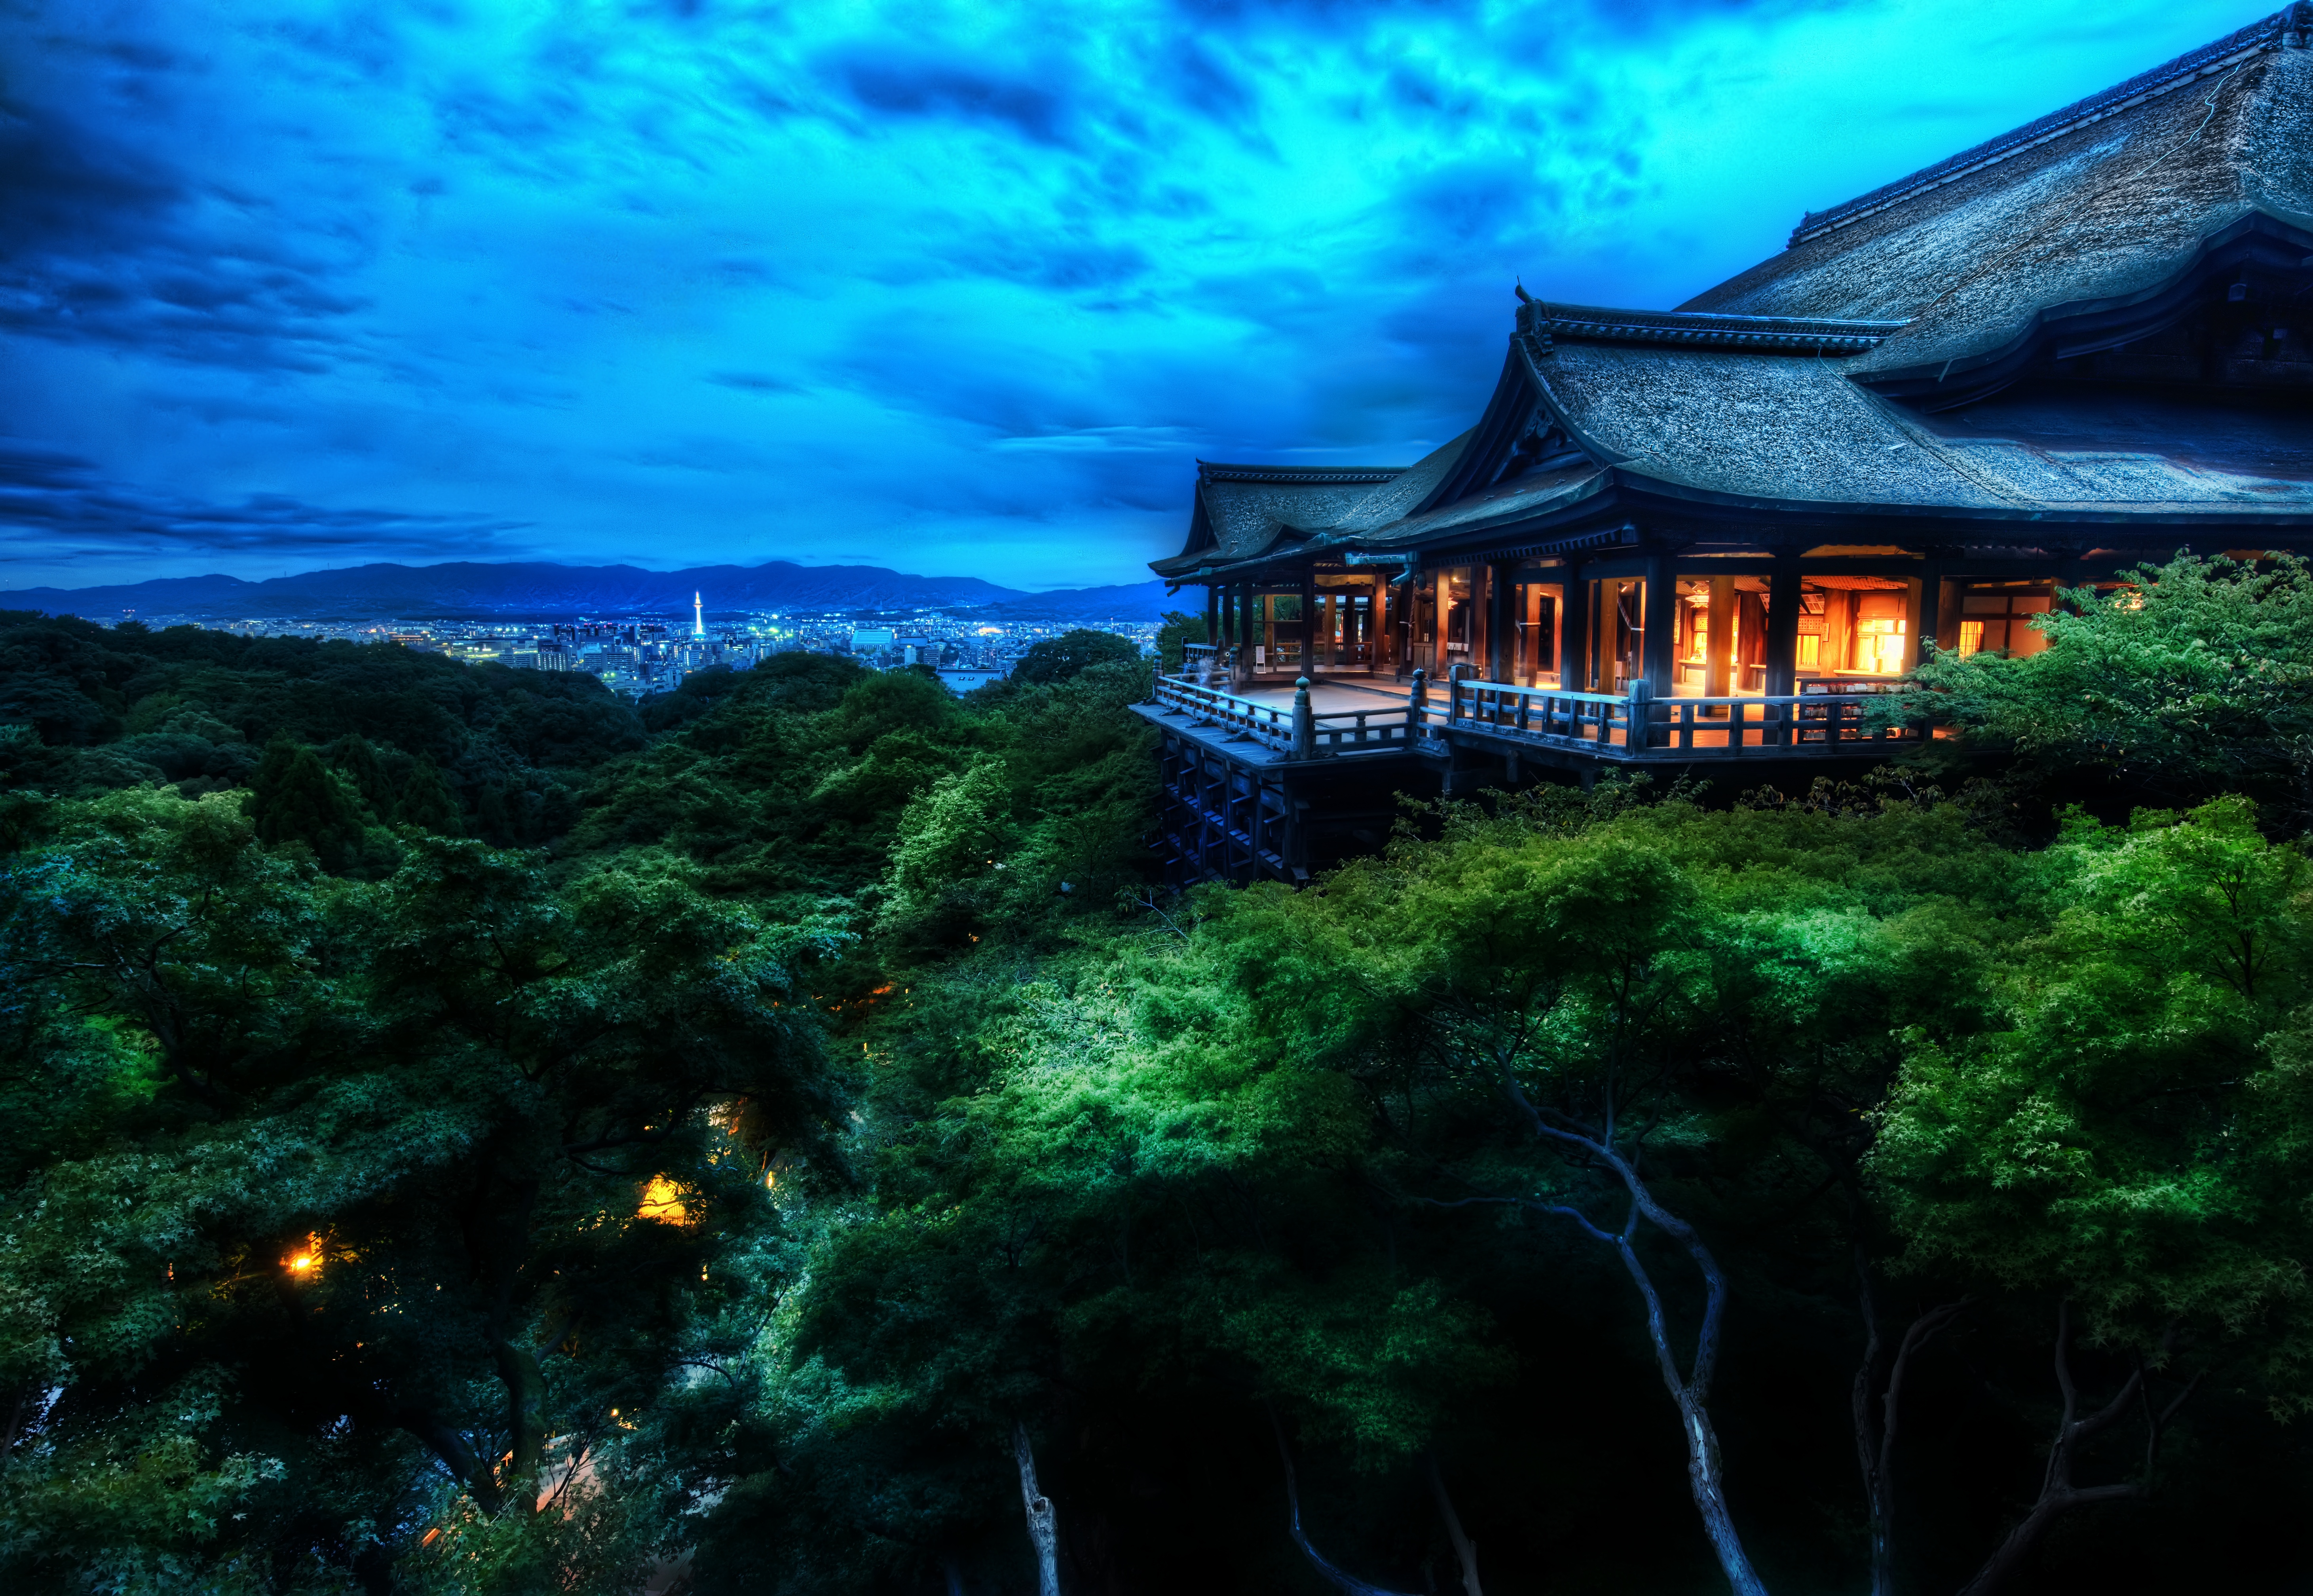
(1244, 632)
(1574, 635)
(1501, 625)
(1919, 616)
(1308, 619)
(1783, 626)
(1718, 642)
(1213, 613)
(1657, 664)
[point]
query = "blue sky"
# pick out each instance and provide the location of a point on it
(952, 288)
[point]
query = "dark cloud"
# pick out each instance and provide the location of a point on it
(64, 187)
(56, 507)
(106, 243)
(755, 383)
(1028, 104)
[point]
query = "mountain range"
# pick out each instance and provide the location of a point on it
(467, 590)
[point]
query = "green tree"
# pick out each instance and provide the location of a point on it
(1178, 630)
(353, 757)
(294, 798)
(2123, 1137)
(426, 802)
(1056, 659)
(375, 1185)
(2192, 679)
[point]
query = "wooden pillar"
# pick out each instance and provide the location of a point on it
(1783, 626)
(1308, 618)
(1928, 612)
(1213, 613)
(1658, 666)
(1574, 630)
(1574, 634)
(1377, 647)
(1838, 651)
(1500, 623)
(1718, 642)
(1243, 633)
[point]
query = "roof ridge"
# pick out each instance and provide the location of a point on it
(2291, 27)
(1706, 329)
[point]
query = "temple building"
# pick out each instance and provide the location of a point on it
(1707, 535)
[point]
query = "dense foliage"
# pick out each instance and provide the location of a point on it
(724, 1171)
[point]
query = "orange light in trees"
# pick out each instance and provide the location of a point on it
(663, 1201)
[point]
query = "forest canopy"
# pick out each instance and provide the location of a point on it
(473, 1134)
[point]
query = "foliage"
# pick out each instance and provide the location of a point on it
(2119, 1132)
(2190, 680)
(1072, 653)
(470, 1136)
(1178, 631)
(128, 706)
(373, 1166)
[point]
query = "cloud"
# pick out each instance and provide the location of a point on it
(1027, 103)
(107, 242)
(964, 286)
(748, 381)
(59, 510)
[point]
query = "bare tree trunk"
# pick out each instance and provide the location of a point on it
(1875, 1440)
(1042, 1531)
(1691, 1390)
(525, 1388)
(2058, 1494)
(1349, 1583)
(1465, 1547)
(1705, 1470)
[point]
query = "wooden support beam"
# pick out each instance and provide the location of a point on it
(1718, 641)
(1783, 626)
(1500, 578)
(1574, 637)
(1244, 667)
(1309, 615)
(1930, 614)
(1657, 665)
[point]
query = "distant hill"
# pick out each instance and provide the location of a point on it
(1133, 601)
(468, 590)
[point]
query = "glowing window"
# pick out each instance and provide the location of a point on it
(1971, 638)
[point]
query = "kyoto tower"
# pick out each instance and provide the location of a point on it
(698, 616)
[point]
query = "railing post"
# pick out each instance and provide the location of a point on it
(1641, 713)
(1305, 722)
(1417, 704)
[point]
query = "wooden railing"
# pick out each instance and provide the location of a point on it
(1633, 725)
(1292, 729)
(1551, 715)
(1724, 727)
